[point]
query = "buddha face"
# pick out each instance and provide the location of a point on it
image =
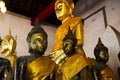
(104, 55)
(62, 10)
(8, 45)
(68, 46)
(4, 46)
(38, 42)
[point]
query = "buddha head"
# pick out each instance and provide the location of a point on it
(64, 8)
(69, 43)
(37, 40)
(8, 44)
(101, 52)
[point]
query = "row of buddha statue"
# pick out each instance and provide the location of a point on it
(66, 61)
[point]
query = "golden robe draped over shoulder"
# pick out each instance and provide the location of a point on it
(40, 68)
(73, 66)
(107, 74)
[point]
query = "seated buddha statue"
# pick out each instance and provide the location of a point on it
(71, 65)
(64, 11)
(8, 46)
(101, 71)
(35, 66)
(119, 67)
(5, 69)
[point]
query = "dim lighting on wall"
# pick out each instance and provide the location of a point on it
(3, 8)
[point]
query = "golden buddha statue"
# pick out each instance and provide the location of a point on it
(35, 66)
(8, 46)
(64, 11)
(119, 67)
(101, 70)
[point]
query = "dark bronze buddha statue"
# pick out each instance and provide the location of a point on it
(36, 66)
(101, 71)
(71, 65)
(5, 69)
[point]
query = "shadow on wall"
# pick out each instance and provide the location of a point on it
(83, 5)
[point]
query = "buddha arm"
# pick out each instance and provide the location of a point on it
(12, 59)
(20, 69)
(96, 73)
(78, 32)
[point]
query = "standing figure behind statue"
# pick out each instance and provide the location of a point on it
(8, 47)
(64, 10)
(36, 66)
(101, 71)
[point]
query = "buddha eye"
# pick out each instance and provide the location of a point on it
(59, 6)
(66, 44)
(39, 40)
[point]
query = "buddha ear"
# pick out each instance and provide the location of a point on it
(11, 43)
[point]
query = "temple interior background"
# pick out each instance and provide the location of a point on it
(94, 27)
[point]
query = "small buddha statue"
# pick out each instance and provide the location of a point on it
(35, 66)
(101, 71)
(71, 65)
(5, 69)
(64, 11)
(8, 47)
(119, 67)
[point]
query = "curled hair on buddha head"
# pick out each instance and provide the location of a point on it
(36, 29)
(100, 46)
(70, 36)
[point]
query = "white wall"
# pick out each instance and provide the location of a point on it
(94, 28)
(20, 26)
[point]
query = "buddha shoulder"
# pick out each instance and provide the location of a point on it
(75, 21)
